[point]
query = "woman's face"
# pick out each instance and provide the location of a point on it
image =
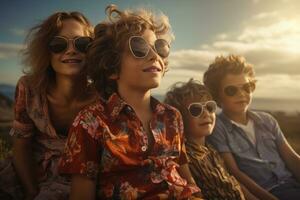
(234, 99)
(70, 62)
(141, 73)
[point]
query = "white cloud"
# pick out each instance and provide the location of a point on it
(280, 86)
(9, 50)
(269, 41)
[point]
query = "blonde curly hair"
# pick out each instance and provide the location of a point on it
(221, 67)
(111, 36)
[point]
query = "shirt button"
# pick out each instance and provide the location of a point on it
(144, 148)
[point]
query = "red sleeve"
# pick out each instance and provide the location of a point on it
(22, 125)
(183, 158)
(82, 150)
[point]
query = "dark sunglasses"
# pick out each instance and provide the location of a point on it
(140, 48)
(196, 109)
(232, 90)
(59, 44)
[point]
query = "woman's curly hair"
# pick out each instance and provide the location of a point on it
(111, 36)
(37, 55)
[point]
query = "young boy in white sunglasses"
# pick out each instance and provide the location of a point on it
(128, 145)
(197, 108)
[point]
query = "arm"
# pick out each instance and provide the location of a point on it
(82, 188)
(21, 132)
(248, 195)
(25, 166)
(290, 157)
(81, 158)
(245, 180)
(185, 172)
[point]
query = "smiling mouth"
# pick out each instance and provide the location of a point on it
(205, 124)
(241, 102)
(152, 69)
(72, 61)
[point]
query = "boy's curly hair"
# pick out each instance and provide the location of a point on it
(182, 92)
(221, 67)
(111, 36)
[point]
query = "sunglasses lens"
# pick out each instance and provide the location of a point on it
(162, 48)
(82, 43)
(249, 87)
(230, 90)
(195, 110)
(211, 106)
(138, 47)
(58, 45)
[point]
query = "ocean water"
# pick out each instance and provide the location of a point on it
(268, 104)
(284, 105)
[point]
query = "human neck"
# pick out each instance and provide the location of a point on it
(237, 117)
(200, 141)
(139, 100)
(67, 89)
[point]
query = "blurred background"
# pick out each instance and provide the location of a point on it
(265, 32)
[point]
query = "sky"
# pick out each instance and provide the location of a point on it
(265, 32)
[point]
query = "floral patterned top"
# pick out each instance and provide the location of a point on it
(32, 120)
(107, 142)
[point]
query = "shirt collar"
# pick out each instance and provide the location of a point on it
(115, 104)
(251, 114)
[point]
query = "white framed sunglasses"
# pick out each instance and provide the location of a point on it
(196, 109)
(140, 48)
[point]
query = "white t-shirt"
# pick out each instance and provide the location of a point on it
(248, 129)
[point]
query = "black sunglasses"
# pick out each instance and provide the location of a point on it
(59, 44)
(232, 90)
(196, 109)
(140, 48)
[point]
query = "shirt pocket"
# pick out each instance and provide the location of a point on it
(270, 141)
(239, 146)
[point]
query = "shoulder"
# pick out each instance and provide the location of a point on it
(23, 82)
(170, 109)
(165, 109)
(90, 119)
(262, 117)
(25, 92)
(222, 122)
(92, 111)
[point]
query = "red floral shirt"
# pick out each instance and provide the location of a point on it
(107, 142)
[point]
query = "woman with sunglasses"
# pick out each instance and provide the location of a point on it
(251, 143)
(128, 144)
(54, 89)
(197, 108)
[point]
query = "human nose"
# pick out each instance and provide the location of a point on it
(152, 54)
(242, 92)
(205, 112)
(70, 47)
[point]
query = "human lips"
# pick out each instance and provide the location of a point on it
(206, 123)
(242, 102)
(152, 69)
(72, 60)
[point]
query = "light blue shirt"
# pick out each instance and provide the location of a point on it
(260, 161)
